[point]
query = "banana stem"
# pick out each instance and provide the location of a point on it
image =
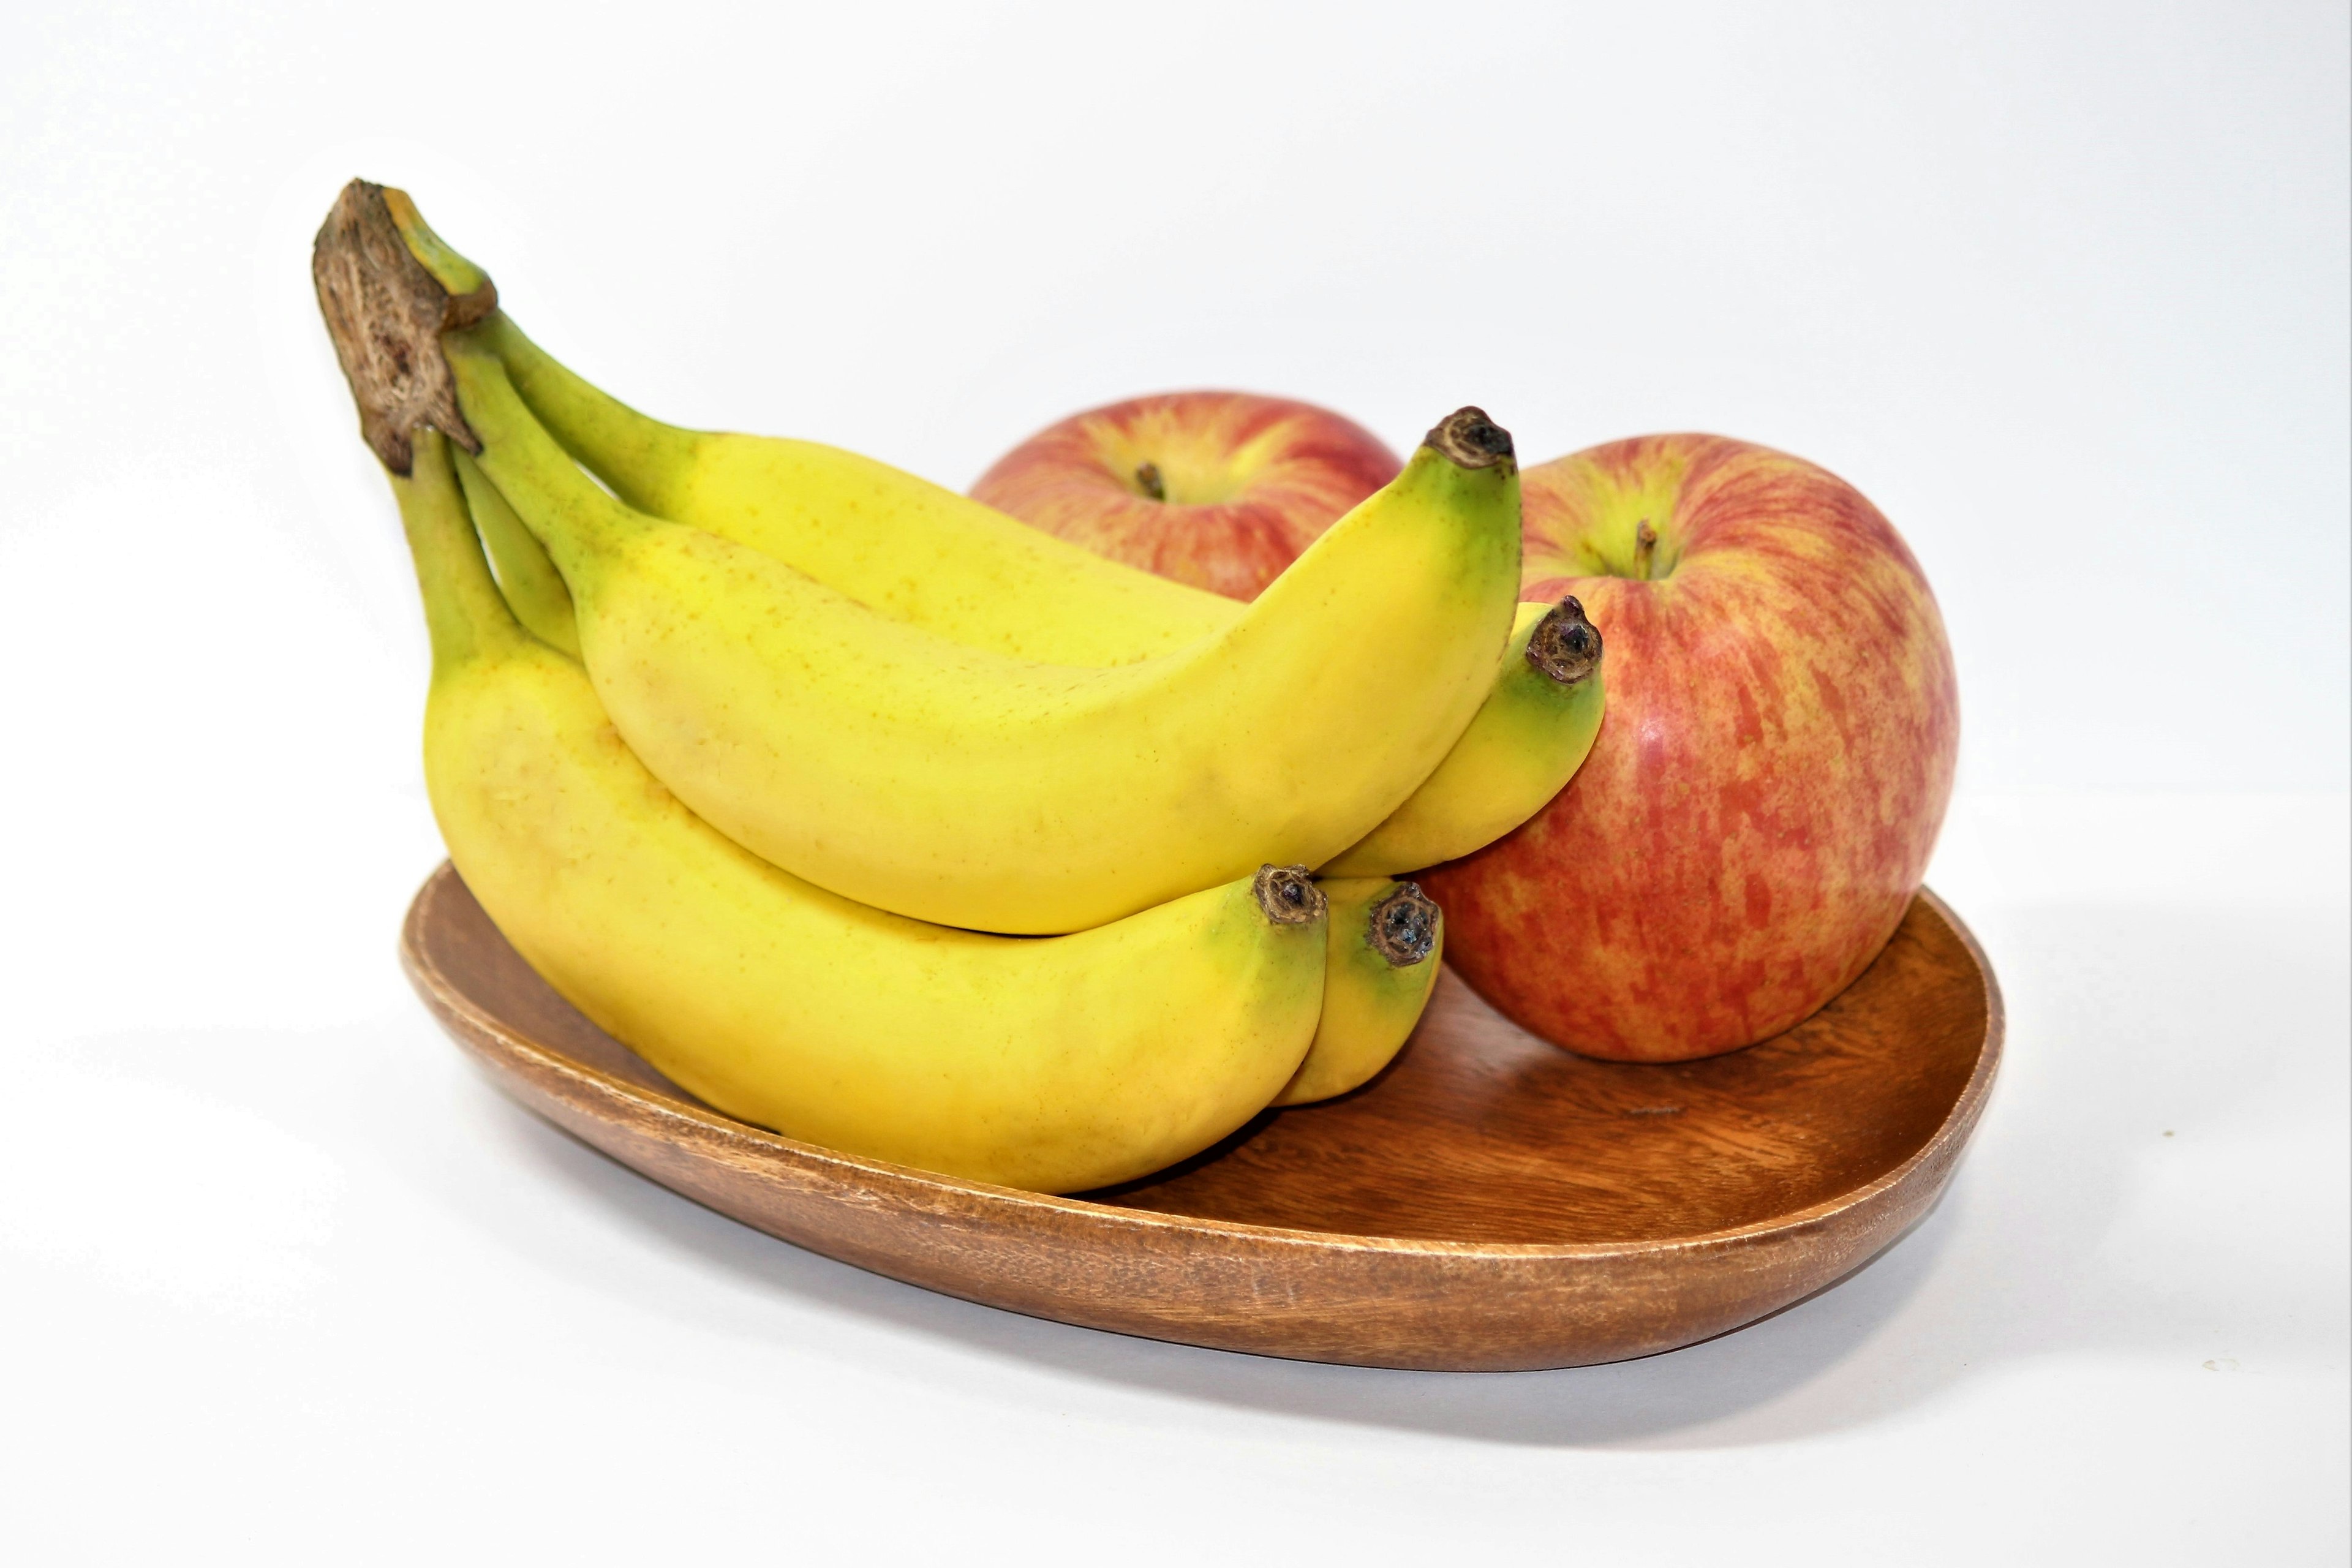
(464, 615)
(386, 311)
(558, 503)
(638, 456)
(528, 581)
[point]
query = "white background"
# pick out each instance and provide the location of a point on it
(2063, 289)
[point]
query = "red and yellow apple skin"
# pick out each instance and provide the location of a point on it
(1218, 489)
(1757, 810)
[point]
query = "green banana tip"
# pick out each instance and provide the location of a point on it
(1469, 439)
(1564, 645)
(386, 310)
(472, 294)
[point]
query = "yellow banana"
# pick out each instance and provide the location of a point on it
(901, 545)
(911, 549)
(1387, 940)
(958, 785)
(931, 557)
(1054, 1065)
(1530, 735)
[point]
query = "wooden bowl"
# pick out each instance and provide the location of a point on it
(1490, 1202)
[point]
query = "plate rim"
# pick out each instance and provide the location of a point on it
(444, 996)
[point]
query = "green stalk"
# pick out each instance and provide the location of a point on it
(641, 457)
(464, 615)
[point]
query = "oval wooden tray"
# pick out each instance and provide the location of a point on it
(1490, 1202)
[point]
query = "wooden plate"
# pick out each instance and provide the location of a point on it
(1490, 1202)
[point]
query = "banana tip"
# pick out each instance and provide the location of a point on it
(1565, 646)
(1287, 895)
(1403, 926)
(1470, 440)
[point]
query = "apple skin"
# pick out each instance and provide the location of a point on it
(1249, 482)
(1778, 753)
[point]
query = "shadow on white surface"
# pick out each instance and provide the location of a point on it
(1704, 1384)
(2121, 1200)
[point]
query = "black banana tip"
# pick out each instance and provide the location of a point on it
(1288, 896)
(1404, 927)
(1564, 645)
(1470, 439)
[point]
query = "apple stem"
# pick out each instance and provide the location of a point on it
(1147, 481)
(1645, 547)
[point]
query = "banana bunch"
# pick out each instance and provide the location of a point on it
(992, 583)
(872, 816)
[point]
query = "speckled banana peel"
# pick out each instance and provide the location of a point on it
(1387, 940)
(992, 581)
(858, 526)
(1055, 1065)
(965, 788)
(987, 579)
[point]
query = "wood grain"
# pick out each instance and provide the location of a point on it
(1488, 1202)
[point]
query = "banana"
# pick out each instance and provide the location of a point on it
(532, 588)
(1386, 939)
(932, 558)
(998, 584)
(1055, 1065)
(982, 578)
(1529, 738)
(896, 543)
(961, 786)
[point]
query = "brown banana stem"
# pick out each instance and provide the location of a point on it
(385, 312)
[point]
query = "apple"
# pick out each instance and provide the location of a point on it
(1775, 762)
(1219, 490)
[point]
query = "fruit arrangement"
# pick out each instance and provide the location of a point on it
(952, 835)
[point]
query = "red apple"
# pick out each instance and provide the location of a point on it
(1774, 766)
(1220, 489)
